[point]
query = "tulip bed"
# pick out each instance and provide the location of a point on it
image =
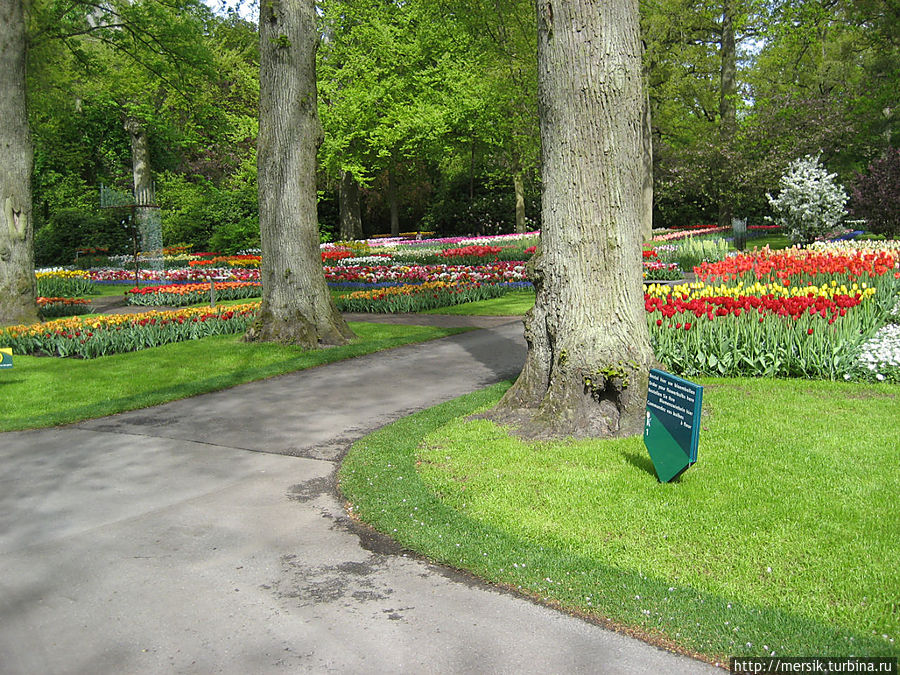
(419, 297)
(499, 272)
(789, 314)
(64, 283)
(49, 308)
(179, 295)
(116, 333)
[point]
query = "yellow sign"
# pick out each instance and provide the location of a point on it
(5, 357)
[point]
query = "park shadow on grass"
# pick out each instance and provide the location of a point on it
(641, 462)
(380, 480)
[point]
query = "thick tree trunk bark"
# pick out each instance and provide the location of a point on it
(588, 345)
(519, 187)
(727, 106)
(296, 306)
(142, 179)
(647, 182)
(351, 218)
(17, 285)
(394, 203)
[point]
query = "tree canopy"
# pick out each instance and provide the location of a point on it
(430, 109)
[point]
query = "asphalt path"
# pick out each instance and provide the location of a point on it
(207, 536)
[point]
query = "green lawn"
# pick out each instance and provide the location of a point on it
(781, 539)
(773, 241)
(104, 290)
(512, 304)
(46, 391)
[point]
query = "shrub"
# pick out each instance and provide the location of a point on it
(68, 231)
(875, 195)
(810, 202)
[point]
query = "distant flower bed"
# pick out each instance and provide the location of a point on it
(172, 275)
(49, 308)
(497, 272)
(655, 270)
(230, 260)
(115, 333)
(418, 297)
(473, 251)
(455, 241)
(59, 283)
(179, 295)
(693, 231)
(335, 254)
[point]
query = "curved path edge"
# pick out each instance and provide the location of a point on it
(206, 535)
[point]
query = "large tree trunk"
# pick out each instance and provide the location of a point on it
(727, 107)
(296, 306)
(588, 346)
(17, 286)
(647, 176)
(143, 182)
(351, 219)
(519, 187)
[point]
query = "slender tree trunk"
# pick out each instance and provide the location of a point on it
(727, 108)
(519, 187)
(647, 176)
(143, 180)
(472, 175)
(17, 285)
(394, 204)
(588, 345)
(296, 305)
(351, 219)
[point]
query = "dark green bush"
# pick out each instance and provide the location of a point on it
(67, 231)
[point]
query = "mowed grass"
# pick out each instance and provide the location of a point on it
(46, 391)
(782, 539)
(773, 241)
(513, 303)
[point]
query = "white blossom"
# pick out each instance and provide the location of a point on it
(811, 202)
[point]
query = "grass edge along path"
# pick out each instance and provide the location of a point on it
(47, 391)
(446, 520)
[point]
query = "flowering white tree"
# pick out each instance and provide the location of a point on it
(810, 203)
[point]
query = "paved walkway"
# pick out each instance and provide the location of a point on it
(206, 536)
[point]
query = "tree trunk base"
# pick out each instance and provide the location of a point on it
(296, 330)
(599, 408)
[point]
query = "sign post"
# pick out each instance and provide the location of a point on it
(6, 357)
(672, 427)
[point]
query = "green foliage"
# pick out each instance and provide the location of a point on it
(57, 242)
(426, 92)
(875, 195)
(223, 218)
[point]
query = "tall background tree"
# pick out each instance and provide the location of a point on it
(17, 285)
(296, 305)
(588, 347)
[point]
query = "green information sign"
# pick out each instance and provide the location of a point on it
(5, 357)
(672, 428)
